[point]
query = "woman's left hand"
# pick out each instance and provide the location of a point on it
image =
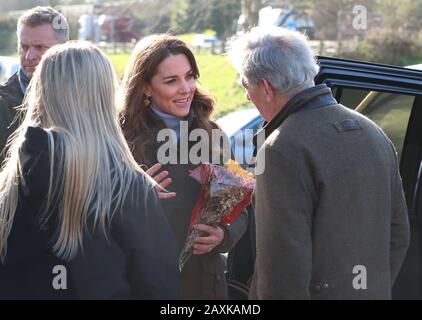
(207, 244)
(162, 181)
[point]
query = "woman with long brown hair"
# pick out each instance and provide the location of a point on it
(160, 93)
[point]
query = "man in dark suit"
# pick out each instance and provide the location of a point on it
(331, 217)
(38, 29)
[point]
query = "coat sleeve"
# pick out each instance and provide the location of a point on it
(147, 240)
(400, 229)
(233, 232)
(137, 259)
(284, 209)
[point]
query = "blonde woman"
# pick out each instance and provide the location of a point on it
(78, 217)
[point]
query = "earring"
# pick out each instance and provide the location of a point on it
(147, 100)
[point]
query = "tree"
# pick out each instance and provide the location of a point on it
(405, 14)
(6, 6)
(199, 15)
(152, 16)
(189, 16)
(333, 18)
(250, 10)
(223, 17)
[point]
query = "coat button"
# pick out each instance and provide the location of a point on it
(218, 278)
(325, 285)
(317, 287)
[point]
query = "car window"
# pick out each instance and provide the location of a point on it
(390, 111)
(242, 142)
(350, 98)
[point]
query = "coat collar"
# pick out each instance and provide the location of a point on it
(316, 96)
(12, 89)
(311, 98)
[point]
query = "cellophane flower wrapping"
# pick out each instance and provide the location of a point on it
(225, 192)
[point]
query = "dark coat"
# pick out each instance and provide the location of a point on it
(137, 260)
(203, 277)
(11, 96)
(330, 199)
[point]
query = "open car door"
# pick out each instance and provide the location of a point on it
(392, 98)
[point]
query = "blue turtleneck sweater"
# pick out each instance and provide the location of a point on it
(172, 122)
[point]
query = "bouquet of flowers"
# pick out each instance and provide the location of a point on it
(225, 192)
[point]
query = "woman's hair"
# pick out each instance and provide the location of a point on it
(142, 66)
(281, 56)
(72, 94)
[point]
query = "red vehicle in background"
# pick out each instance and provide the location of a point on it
(117, 28)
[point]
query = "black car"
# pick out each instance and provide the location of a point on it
(392, 97)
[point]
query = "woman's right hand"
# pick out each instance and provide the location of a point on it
(162, 180)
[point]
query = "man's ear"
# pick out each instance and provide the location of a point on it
(269, 90)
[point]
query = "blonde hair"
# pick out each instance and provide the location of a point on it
(72, 94)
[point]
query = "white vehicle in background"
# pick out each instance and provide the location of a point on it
(283, 16)
(235, 125)
(8, 67)
(206, 41)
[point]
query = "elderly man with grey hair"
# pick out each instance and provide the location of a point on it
(38, 29)
(331, 218)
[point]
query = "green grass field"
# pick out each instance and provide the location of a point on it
(216, 76)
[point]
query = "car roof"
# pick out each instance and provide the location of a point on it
(236, 120)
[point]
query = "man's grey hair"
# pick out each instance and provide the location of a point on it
(46, 15)
(282, 57)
